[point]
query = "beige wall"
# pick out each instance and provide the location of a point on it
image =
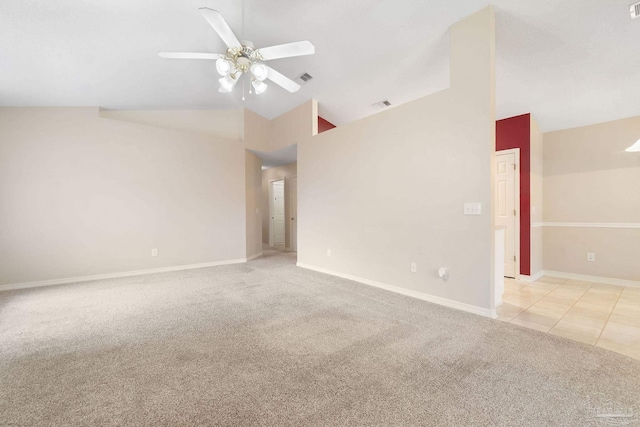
(285, 172)
(616, 250)
(589, 178)
(294, 126)
(257, 131)
(253, 191)
(536, 198)
(389, 189)
(226, 124)
(84, 195)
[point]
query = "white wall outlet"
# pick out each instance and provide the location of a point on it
(414, 267)
(154, 252)
(328, 252)
(591, 256)
(473, 208)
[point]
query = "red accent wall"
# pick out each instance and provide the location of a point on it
(324, 125)
(515, 132)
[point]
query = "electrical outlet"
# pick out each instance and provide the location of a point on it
(328, 252)
(591, 256)
(154, 252)
(414, 267)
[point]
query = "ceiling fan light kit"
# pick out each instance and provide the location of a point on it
(227, 83)
(223, 67)
(259, 71)
(259, 86)
(242, 58)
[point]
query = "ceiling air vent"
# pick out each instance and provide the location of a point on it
(304, 78)
(382, 104)
(635, 10)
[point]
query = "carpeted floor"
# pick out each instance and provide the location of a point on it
(267, 343)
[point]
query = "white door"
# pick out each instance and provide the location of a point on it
(293, 208)
(277, 218)
(506, 214)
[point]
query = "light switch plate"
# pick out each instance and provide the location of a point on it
(473, 208)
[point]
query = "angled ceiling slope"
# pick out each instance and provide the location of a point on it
(569, 63)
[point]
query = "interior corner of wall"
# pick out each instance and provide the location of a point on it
(103, 112)
(243, 121)
(270, 137)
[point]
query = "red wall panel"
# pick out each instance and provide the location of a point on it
(324, 125)
(515, 132)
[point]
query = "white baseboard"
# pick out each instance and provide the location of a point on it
(116, 275)
(254, 256)
(533, 278)
(591, 224)
(414, 294)
(597, 279)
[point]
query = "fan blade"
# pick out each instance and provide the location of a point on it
(287, 50)
(189, 55)
(282, 80)
(215, 19)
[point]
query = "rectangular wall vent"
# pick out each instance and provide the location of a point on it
(304, 78)
(382, 104)
(635, 10)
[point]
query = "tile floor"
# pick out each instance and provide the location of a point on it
(607, 316)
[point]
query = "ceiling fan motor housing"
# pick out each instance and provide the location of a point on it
(243, 57)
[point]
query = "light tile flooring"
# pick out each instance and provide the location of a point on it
(607, 316)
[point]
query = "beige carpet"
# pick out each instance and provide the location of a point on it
(267, 343)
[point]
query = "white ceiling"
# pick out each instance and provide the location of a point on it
(283, 156)
(569, 62)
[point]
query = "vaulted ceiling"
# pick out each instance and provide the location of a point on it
(570, 62)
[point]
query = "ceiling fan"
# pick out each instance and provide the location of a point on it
(242, 57)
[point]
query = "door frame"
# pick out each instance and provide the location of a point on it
(516, 152)
(284, 187)
(290, 214)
